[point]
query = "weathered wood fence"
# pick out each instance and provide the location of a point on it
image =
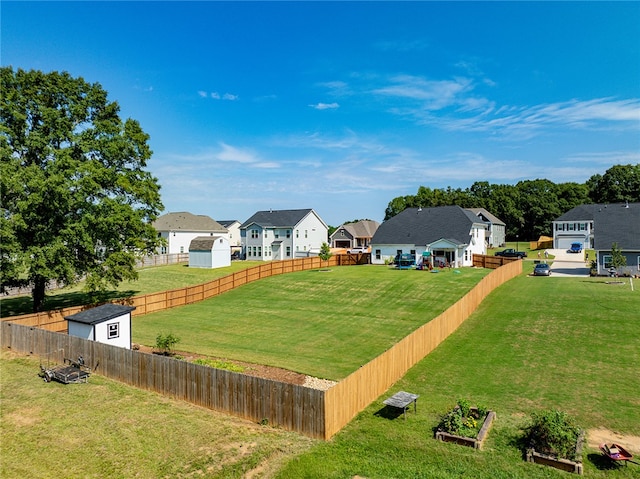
(491, 262)
(318, 414)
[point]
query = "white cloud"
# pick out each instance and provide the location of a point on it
(325, 106)
(215, 95)
(229, 96)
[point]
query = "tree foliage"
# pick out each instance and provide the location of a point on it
(325, 252)
(529, 207)
(76, 199)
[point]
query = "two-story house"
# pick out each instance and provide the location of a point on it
(235, 237)
(496, 229)
(283, 234)
(179, 229)
(354, 235)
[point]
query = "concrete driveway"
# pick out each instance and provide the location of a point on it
(568, 264)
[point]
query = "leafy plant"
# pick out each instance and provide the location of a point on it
(553, 432)
(218, 364)
(463, 420)
(325, 252)
(166, 342)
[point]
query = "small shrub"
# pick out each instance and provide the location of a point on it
(553, 433)
(166, 342)
(463, 420)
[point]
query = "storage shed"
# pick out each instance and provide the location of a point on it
(209, 252)
(109, 324)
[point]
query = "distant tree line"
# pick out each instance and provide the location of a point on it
(529, 207)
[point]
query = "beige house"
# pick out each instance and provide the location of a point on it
(354, 235)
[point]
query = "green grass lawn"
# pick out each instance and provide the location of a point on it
(322, 323)
(150, 280)
(536, 343)
(104, 429)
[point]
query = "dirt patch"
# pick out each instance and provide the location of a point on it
(258, 370)
(595, 437)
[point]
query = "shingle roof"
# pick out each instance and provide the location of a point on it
(202, 243)
(100, 314)
(481, 211)
(612, 223)
(277, 218)
(187, 222)
(227, 223)
(361, 229)
(423, 226)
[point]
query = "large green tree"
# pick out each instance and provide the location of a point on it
(619, 183)
(77, 202)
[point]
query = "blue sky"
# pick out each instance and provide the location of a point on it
(343, 106)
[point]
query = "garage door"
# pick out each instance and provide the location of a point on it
(565, 241)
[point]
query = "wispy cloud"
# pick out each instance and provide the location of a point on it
(325, 106)
(216, 96)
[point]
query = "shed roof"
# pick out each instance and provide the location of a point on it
(203, 243)
(100, 314)
(186, 221)
(423, 226)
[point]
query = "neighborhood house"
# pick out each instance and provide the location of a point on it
(179, 229)
(442, 236)
(598, 227)
(284, 234)
(354, 235)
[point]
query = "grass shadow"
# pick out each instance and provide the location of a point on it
(19, 305)
(601, 462)
(388, 412)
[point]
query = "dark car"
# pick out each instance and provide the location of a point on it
(542, 269)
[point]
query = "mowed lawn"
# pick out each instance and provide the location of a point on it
(535, 343)
(322, 323)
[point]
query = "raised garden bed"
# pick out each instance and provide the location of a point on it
(558, 462)
(461, 420)
(554, 440)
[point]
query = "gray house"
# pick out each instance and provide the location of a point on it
(599, 226)
(353, 235)
(446, 235)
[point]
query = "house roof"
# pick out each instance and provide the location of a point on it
(227, 223)
(100, 314)
(360, 229)
(484, 213)
(186, 221)
(612, 223)
(203, 243)
(423, 226)
(278, 218)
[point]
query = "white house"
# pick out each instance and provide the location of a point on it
(209, 252)
(283, 234)
(178, 229)
(445, 235)
(496, 229)
(109, 324)
(235, 238)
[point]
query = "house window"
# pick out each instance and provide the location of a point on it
(413, 252)
(288, 250)
(297, 234)
(182, 249)
(254, 233)
(163, 250)
(113, 330)
(341, 232)
(288, 233)
(583, 226)
(276, 233)
(259, 250)
(607, 261)
(305, 234)
(570, 226)
(378, 254)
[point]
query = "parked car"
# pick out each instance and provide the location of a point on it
(359, 249)
(511, 253)
(575, 248)
(542, 269)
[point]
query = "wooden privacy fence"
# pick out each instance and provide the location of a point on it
(289, 406)
(149, 303)
(491, 262)
(359, 389)
(315, 413)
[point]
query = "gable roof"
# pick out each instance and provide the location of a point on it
(186, 221)
(360, 229)
(279, 218)
(423, 226)
(203, 243)
(100, 314)
(481, 212)
(612, 223)
(227, 223)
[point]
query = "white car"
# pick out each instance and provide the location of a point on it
(359, 249)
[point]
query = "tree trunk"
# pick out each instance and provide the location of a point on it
(37, 294)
